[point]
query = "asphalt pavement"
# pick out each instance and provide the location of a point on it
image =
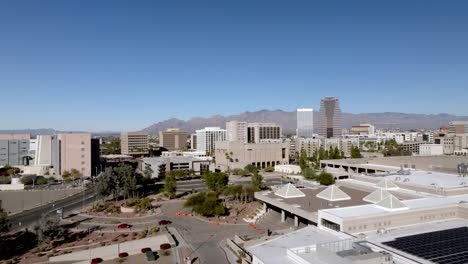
(28, 217)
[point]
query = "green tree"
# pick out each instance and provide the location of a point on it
(238, 171)
(249, 168)
(355, 152)
(206, 204)
(326, 178)
(216, 181)
(309, 174)
(170, 183)
(269, 169)
(48, 228)
(112, 145)
(256, 182)
(148, 171)
(4, 223)
(126, 179)
(105, 184)
(303, 159)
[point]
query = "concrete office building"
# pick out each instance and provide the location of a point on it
(193, 141)
(363, 129)
(162, 165)
(14, 152)
(134, 143)
(263, 132)
(431, 150)
(41, 150)
(458, 127)
(207, 137)
(236, 131)
(173, 139)
(261, 155)
(75, 152)
(330, 117)
(309, 145)
(305, 123)
(411, 147)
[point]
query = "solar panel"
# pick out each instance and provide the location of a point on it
(448, 246)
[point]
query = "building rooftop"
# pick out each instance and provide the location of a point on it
(371, 209)
(275, 250)
(431, 179)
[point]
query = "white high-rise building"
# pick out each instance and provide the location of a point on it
(207, 137)
(236, 131)
(305, 123)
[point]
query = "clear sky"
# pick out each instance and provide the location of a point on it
(123, 65)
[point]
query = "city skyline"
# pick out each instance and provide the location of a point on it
(111, 65)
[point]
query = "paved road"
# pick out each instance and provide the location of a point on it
(205, 238)
(188, 186)
(29, 217)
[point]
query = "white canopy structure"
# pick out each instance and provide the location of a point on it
(376, 196)
(289, 191)
(332, 193)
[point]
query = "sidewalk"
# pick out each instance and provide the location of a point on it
(112, 251)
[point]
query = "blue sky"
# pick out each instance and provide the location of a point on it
(123, 65)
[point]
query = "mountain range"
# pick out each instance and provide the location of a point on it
(287, 120)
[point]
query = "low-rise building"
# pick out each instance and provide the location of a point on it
(161, 165)
(431, 150)
(235, 154)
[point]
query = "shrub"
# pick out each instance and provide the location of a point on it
(165, 246)
(143, 204)
(41, 180)
(326, 178)
(269, 169)
(164, 253)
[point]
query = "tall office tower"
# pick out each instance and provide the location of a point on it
(263, 132)
(173, 139)
(305, 123)
(134, 143)
(207, 137)
(236, 131)
(330, 117)
(74, 152)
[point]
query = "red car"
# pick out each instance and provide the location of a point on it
(123, 254)
(96, 260)
(124, 226)
(164, 222)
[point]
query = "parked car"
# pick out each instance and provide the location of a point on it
(164, 222)
(124, 226)
(96, 260)
(123, 254)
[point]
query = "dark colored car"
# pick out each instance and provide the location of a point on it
(124, 226)
(96, 260)
(164, 222)
(123, 254)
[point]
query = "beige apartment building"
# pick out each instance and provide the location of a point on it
(134, 143)
(240, 154)
(173, 139)
(75, 152)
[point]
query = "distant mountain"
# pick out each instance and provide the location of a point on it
(50, 131)
(39, 131)
(287, 120)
